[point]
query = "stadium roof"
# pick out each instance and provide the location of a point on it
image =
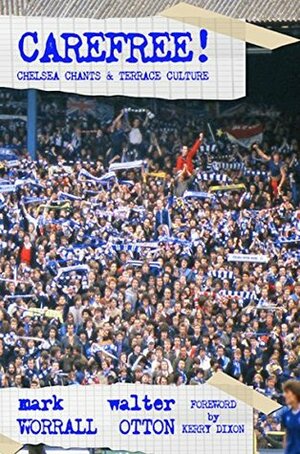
(258, 11)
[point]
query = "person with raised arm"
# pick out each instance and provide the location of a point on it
(275, 167)
(184, 164)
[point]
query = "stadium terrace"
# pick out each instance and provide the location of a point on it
(123, 263)
(91, 47)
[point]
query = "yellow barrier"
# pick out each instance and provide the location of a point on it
(275, 433)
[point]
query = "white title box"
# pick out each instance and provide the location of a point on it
(151, 419)
(140, 57)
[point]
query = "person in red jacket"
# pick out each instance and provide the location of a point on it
(184, 164)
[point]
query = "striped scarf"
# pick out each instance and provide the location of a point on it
(254, 173)
(197, 195)
(219, 274)
(208, 148)
(241, 294)
(104, 179)
(212, 176)
(218, 165)
(126, 165)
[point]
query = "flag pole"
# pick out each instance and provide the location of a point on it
(211, 132)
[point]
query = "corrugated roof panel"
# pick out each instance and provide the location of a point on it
(16, 7)
(252, 10)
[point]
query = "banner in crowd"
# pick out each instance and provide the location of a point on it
(151, 419)
(245, 135)
(254, 258)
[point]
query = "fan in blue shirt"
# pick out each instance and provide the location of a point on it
(291, 417)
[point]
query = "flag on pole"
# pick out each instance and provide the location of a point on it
(245, 135)
(81, 106)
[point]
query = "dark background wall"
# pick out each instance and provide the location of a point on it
(274, 77)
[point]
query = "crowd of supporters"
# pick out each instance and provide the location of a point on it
(149, 248)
